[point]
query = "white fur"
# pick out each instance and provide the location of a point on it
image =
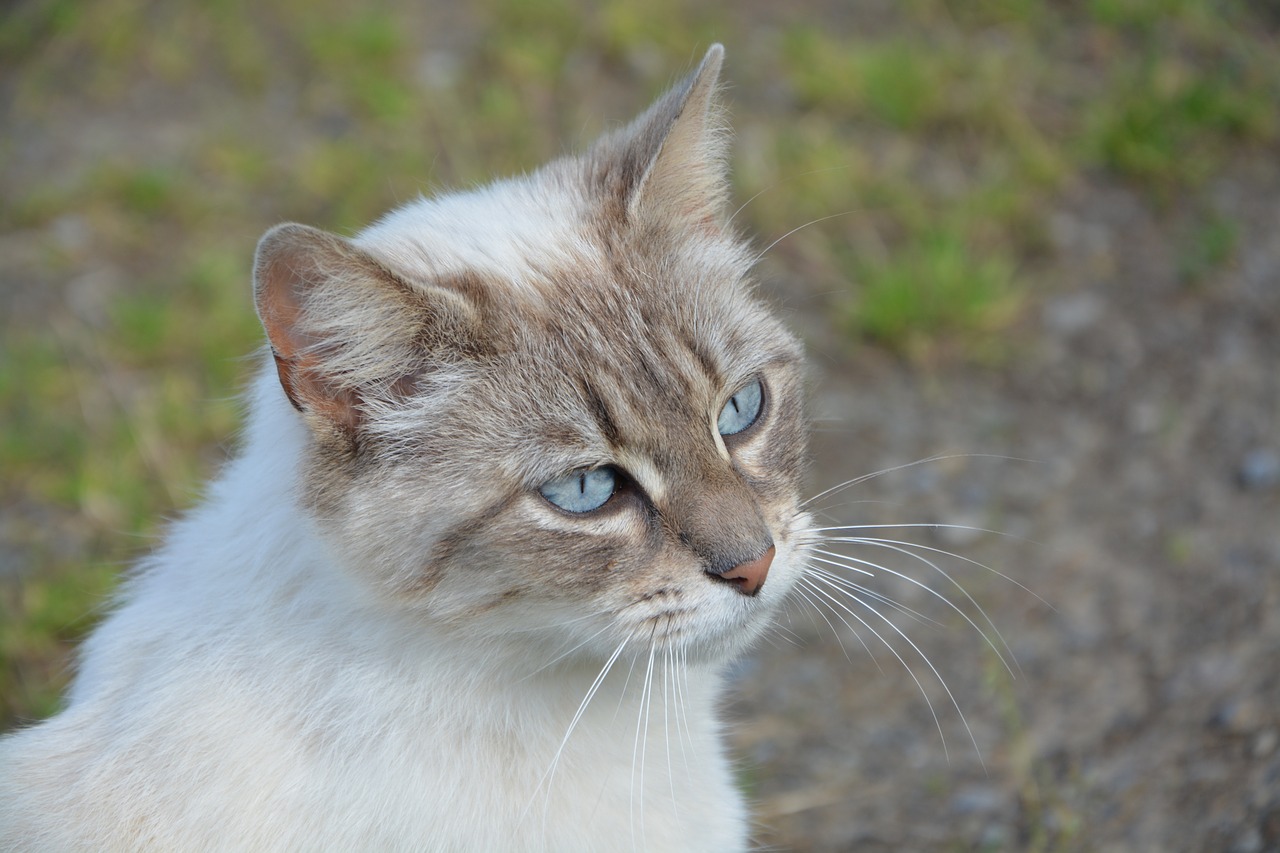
(273, 704)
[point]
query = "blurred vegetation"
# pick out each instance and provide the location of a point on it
(147, 144)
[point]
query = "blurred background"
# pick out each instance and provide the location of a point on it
(1039, 240)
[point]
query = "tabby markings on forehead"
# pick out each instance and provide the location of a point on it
(646, 474)
(603, 417)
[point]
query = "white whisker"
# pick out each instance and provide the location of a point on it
(666, 726)
(783, 632)
(682, 712)
(874, 540)
(941, 681)
(564, 655)
(808, 599)
(873, 594)
(895, 547)
(835, 602)
(802, 590)
(939, 458)
(760, 255)
(777, 184)
(641, 747)
(812, 551)
(933, 525)
(685, 692)
(549, 775)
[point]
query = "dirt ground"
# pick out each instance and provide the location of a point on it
(1123, 477)
(1145, 527)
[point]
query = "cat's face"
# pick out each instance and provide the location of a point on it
(550, 409)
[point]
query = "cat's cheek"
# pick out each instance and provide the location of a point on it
(395, 535)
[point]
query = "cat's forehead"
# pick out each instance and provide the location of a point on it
(614, 376)
(607, 338)
(513, 231)
(557, 273)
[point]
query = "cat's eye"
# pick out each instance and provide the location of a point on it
(583, 490)
(742, 409)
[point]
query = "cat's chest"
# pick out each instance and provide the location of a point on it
(638, 768)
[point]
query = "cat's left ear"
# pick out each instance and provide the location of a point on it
(346, 333)
(669, 165)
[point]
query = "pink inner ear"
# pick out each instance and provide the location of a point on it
(308, 391)
(292, 260)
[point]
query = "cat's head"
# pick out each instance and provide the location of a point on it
(551, 408)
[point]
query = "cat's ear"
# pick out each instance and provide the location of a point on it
(671, 167)
(344, 330)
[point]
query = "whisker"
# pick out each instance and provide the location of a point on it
(549, 775)
(931, 564)
(873, 594)
(784, 633)
(683, 732)
(760, 255)
(562, 624)
(810, 555)
(808, 599)
(876, 540)
(934, 525)
(835, 602)
(771, 636)
(641, 746)
(902, 608)
(561, 657)
(627, 682)
(938, 458)
(941, 681)
(827, 510)
(666, 727)
(779, 183)
(805, 599)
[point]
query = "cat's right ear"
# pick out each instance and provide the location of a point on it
(669, 165)
(344, 330)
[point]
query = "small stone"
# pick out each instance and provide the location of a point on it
(1072, 313)
(977, 800)
(1269, 826)
(439, 69)
(1238, 717)
(1259, 470)
(72, 233)
(1250, 842)
(1145, 417)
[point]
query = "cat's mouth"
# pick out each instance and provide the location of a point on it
(723, 620)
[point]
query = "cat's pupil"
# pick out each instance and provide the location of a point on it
(742, 410)
(581, 491)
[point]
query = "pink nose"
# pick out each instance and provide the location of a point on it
(749, 577)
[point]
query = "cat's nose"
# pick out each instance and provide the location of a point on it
(748, 577)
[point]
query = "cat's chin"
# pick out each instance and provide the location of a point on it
(715, 633)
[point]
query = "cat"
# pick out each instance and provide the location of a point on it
(521, 474)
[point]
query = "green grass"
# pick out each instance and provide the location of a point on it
(934, 284)
(928, 149)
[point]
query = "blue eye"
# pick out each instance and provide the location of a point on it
(742, 409)
(581, 491)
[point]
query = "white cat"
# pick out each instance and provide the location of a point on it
(520, 476)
